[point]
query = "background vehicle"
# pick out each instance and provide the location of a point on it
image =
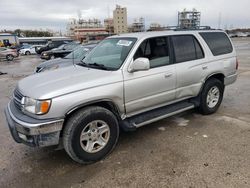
(61, 51)
(125, 82)
(74, 57)
(8, 54)
(28, 50)
(50, 45)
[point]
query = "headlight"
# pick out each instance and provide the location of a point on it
(38, 107)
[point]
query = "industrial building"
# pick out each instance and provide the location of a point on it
(8, 39)
(137, 26)
(189, 19)
(120, 20)
(109, 25)
(156, 27)
(86, 30)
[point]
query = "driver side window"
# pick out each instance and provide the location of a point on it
(156, 50)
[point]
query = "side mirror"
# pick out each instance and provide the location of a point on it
(140, 64)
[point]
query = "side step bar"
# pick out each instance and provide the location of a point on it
(156, 115)
(163, 116)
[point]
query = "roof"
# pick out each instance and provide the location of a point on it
(7, 34)
(141, 35)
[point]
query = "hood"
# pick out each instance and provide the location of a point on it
(52, 62)
(58, 62)
(47, 85)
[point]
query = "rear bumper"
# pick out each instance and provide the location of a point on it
(33, 132)
(230, 79)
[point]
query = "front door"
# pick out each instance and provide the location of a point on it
(145, 90)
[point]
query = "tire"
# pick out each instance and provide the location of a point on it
(80, 125)
(9, 57)
(211, 96)
(27, 53)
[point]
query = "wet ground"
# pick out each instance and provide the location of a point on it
(188, 150)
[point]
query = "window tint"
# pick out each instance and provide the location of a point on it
(218, 42)
(186, 48)
(156, 50)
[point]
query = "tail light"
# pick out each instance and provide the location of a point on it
(237, 64)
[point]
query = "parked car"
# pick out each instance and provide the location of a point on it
(61, 51)
(28, 50)
(8, 54)
(127, 81)
(74, 57)
(50, 45)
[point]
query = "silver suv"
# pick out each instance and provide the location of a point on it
(126, 82)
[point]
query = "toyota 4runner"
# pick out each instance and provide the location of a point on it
(125, 82)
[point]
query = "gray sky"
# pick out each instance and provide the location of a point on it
(54, 14)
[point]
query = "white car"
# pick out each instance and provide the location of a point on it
(28, 51)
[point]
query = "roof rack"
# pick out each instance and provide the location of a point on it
(178, 28)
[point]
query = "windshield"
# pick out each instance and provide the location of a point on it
(61, 47)
(111, 52)
(78, 53)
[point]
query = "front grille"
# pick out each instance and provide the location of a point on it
(17, 99)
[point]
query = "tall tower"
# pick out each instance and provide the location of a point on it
(189, 19)
(120, 20)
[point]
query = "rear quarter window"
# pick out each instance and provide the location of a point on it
(218, 42)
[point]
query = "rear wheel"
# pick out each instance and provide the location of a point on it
(9, 57)
(90, 134)
(211, 96)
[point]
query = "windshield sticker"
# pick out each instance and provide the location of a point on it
(124, 43)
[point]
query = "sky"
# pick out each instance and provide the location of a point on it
(54, 14)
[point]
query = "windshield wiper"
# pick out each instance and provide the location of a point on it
(97, 65)
(101, 66)
(82, 63)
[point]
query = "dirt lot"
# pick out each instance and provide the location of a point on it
(188, 150)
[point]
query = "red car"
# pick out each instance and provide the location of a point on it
(8, 54)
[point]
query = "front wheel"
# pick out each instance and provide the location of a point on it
(211, 96)
(27, 53)
(9, 57)
(90, 134)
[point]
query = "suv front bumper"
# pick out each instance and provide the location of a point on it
(30, 131)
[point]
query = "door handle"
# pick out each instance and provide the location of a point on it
(167, 75)
(204, 67)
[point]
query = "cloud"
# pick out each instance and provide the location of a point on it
(55, 13)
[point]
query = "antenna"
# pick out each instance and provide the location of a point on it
(73, 58)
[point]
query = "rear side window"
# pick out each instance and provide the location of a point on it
(218, 42)
(186, 48)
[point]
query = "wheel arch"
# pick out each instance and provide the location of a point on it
(105, 103)
(219, 76)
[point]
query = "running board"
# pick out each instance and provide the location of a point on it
(158, 114)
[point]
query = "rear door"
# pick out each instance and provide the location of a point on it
(190, 63)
